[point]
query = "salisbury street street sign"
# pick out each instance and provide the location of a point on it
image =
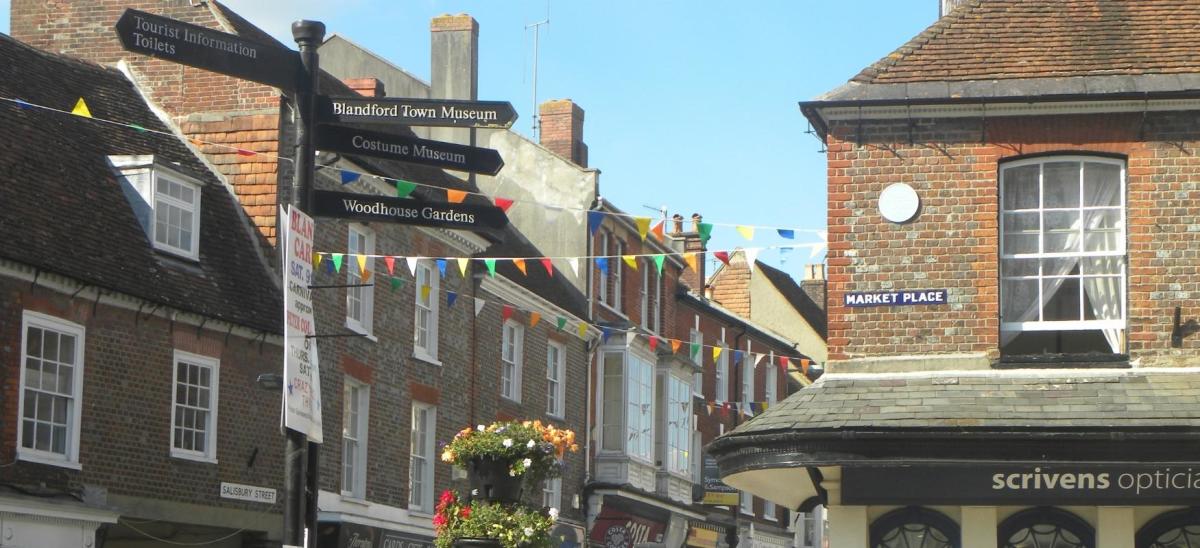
(417, 112)
(364, 207)
(408, 149)
(207, 49)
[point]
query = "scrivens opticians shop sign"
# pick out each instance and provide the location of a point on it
(1023, 484)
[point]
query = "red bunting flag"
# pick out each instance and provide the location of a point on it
(722, 255)
(725, 410)
(653, 343)
(783, 363)
(391, 264)
(657, 230)
(504, 204)
(549, 265)
(244, 152)
(506, 312)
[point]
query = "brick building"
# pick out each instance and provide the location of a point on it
(1012, 264)
(137, 313)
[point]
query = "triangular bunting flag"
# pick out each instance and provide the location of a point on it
(349, 177)
(751, 256)
(709, 407)
(804, 366)
(404, 188)
(658, 263)
(479, 305)
(397, 283)
(425, 290)
(694, 350)
(26, 106)
(455, 196)
(329, 266)
(81, 109)
(581, 330)
(549, 265)
(337, 262)
(716, 352)
(723, 256)
(675, 344)
(139, 129)
(653, 343)
(316, 260)
(441, 264)
(630, 337)
(690, 260)
(786, 233)
(412, 265)
(561, 322)
(491, 266)
(390, 262)
(783, 363)
(643, 226)
(605, 332)
(504, 204)
(520, 264)
(506, 312)
(758, 358)
(630, 260)
(602, 264)
(574, 262)
(705, 230)
(594, 219)
(747, 232)
(244, 152)
(362, 266)
(462, 265)
(725, 410)
(534, 318)
(737, 356)
(450, 298)
(657, 230)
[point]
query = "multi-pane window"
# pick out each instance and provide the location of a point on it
(747, 377)
(1062, 256)
(602, 251)
(511, 359)
(651, 299)
(420, 471)
(556, 368)
(360, 293)
(696, 340)
(552, 493)
(355, 410)
(721, 374)
(425, 328)
(644, 299)
(51, 387)
(679, 427)
(769, 383)
(194, 407)
(617, 267)
(627, 402)
(176, 216)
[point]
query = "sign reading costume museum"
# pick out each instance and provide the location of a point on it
(301, 375)
(408, 149)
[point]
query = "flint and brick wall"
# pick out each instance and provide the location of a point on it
(953, 242)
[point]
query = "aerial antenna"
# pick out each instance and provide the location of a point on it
(537, 27)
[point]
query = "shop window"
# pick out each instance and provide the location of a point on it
(1178, 529)
(1045, 527)
(1062, 257)
(914, 526)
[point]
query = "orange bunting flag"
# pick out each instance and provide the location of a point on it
(675, 344)
(520, 263)
(549, 264)
(657, 230)
(630, 260)
(534, 318)
(244, 152)
(804, 366)
(81, 109)
(504, 204)
(690, 259)
(390, 261)
(455, 196)
(506, 312)
(643, 226)
(653, 343)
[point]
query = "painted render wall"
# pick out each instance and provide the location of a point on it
(345, 59)
(771, 309)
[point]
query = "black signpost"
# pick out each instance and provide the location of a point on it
(364, 207)
(409, 149)
(417, 112)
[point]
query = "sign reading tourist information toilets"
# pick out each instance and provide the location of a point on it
(408, 149)
(207, 49)
(1008, 484)
(301, 377)
(417, 112)
(896, 298)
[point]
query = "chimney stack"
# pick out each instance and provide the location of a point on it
(454, 68)
(814, 283)
(367, 87)
(694, 279)
(560, 127)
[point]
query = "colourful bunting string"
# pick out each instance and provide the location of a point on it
(630, 260)
(716, 352)
(390, 262)
(337, 262)
(737, 356)
(675, 344)
(362, 266)
(404, 188)
(804, 366)
(462, 265)
(705, 230)
(561, 322)
(574, 262)
(506, 312)
(81, 109)
(786, 233)
(491, 266)
(455, 196)
(747, 232)
(451, 297)
(643, 226)
(349, 176)
(602, 264)
(653, 343)
(534, 318)
(26, 106)
(412, 265)
(139, 129)
(694, 351)
(690, 260)
(504, 204)
(581, 330)
(479, 305)
(594, 220)
(425, 290)
(397, 283)
(549, 266)
(657, 230)
(441, 265)
(316, 260)
(723, 256)
(520, 264)
(244, 152)
(658, 263)
(605, 332)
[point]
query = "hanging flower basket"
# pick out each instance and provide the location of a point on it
(492, 480)
(462, 523)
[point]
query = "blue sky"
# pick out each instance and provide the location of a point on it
(689, 104)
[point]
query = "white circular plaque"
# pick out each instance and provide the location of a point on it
(898, 202)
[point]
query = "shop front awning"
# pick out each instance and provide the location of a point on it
(1147, 416)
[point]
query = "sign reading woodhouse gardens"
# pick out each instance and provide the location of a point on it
(207, 49)
(1021, 484)
(417, 112)
(408, 149)
(365, 207)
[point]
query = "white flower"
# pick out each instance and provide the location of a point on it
(554, 513)
(527, 462)
(530, 444)
(507, 442)
(512, 472)
(474, 492)
(529, 531)
(482, 428)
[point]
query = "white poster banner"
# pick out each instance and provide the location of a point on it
(301, 375)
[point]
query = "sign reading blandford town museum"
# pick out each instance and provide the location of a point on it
(1007, 484)
(417, 112)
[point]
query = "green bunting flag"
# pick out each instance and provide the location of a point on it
(562, 322)
(404, 188)
(658, 262)
(491, 266)
(705, 232)
(695, 350)
(397, 283)
(337, 262)
(140, 129)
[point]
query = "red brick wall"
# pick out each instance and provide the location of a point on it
(560, 126)
(953, 242)
(731, 286)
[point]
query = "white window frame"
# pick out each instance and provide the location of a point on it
(512, 337)
(1121, 251)
(69, 458)
(210, 428)
(636, 384)
(697, 337)
(617, 266)
(658, 306)
(425, 453)
(603, 252)
(360, 240)
(356, 468)
(552, 493)
(746, 503)
(679, 427)
(747, 379)
(644, 296)
(721, 374)
(556, 376)
(429, 351)
(770, 383)
(160, 199)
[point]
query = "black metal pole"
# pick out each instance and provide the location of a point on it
(308, 35)
(312, 479)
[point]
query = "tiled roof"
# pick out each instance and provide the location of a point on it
(811, 311)
(1007, 39)
(64, 210)
(989, 400)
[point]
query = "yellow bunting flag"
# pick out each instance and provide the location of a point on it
(520, 265)
(630, 260)
(716, 352)
(362, 265)
(643, 226)
(747, 232)
(425, 289)
(582, 330)
(462, 265)
(534, 318)
(81, 109)
(455, 196)
(316, 260)
(675, 344)
(690, 259)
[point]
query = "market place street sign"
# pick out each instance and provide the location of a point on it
(408, 149)
(417, 112)
(207, 49)
(896, 298)
(1023, 484)
(365, 207)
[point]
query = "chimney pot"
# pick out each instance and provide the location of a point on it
(696, 220)
(560, 129)
(677, 223)
(367, 87)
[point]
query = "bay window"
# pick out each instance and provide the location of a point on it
(627, 404)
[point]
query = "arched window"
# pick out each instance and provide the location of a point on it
(1179, 529)
(1045, 527)
(914, 527)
